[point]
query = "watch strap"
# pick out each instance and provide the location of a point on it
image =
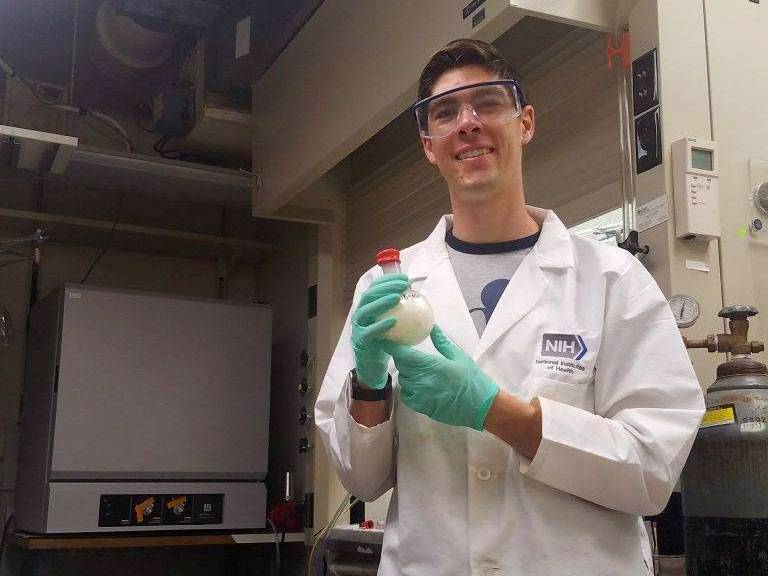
(362, 392)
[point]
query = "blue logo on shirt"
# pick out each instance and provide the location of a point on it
(490, 297)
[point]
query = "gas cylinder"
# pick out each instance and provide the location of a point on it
(725, 481)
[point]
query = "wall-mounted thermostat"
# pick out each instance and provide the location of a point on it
(695, 179)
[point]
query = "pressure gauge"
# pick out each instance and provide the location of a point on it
(685, 309)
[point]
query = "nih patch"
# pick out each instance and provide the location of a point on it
(563, 346)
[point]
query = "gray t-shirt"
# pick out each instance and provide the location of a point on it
(484, 270)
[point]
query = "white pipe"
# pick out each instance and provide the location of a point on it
(114, 124)
(625, 143)
(111, 122)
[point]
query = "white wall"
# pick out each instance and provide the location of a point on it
(739, 92)
(326, 272)
(677, 30)
(713, 85)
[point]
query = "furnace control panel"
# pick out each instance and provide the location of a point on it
(160, 509)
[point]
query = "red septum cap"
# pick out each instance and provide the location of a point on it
(388, 255)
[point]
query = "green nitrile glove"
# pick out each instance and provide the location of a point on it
(370, 359)
(448, 388)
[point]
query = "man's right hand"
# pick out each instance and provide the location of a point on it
(367, 329)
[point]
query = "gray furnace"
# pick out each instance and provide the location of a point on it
(144, 412)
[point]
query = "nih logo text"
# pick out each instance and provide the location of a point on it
(563, 346)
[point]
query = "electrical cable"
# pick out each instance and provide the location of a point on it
(16, 261)
(12, 244)
(328, 526)
(326, 530)
(12, 252)
(109, 239)
(100, 128)
(103, 118)
(142, 127)
(11, 73)
(142, 111)
(277, 546)
(11, 517)
(348, 506)
(159, 147)
(38, 236)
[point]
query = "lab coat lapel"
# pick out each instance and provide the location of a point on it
(451, 312)
(442, 290)
(552, 251)
(520, 296)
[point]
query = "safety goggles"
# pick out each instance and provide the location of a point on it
(492, 103)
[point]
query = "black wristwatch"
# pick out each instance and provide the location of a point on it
(362, 392)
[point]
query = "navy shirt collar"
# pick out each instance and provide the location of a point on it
(490, 247)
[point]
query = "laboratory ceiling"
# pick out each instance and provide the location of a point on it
(55, 43)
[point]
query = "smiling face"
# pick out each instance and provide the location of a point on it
(479, 161)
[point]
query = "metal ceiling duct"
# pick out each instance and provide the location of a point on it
(122, 48)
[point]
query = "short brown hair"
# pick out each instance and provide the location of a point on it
(466, 52)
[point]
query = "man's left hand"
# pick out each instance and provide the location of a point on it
(449, 387)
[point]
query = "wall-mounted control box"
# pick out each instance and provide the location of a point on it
(695, 177)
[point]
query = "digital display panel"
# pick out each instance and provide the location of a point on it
(701, 159)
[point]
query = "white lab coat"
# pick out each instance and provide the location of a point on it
(618, 421)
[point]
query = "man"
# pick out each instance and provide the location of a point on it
(554, 403)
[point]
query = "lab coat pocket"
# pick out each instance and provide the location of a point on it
(579, 394)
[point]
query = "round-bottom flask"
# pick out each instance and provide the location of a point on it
(413, 313)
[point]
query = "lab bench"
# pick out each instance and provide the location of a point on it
(208, 554)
